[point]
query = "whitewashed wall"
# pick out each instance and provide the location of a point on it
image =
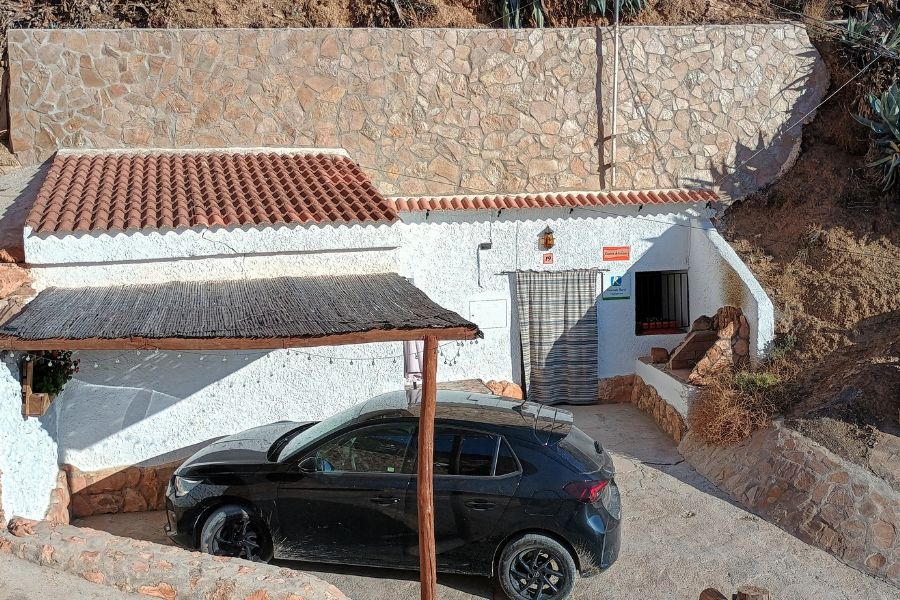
(728, 281)
(27, 452)
(156, 406)
(149, 406)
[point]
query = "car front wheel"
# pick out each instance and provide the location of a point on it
(233, 531)
(536, 567)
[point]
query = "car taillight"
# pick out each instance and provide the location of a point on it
(586, 491)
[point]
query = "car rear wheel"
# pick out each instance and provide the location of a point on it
(536, 567)
(233, 531)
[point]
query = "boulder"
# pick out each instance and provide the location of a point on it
(702, 323)
(659, 355)
(20, 527)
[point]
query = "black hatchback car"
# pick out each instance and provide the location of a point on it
(519, 492)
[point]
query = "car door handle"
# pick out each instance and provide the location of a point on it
(385, 499)
(480, 504)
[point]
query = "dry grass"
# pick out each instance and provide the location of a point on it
(729, 407)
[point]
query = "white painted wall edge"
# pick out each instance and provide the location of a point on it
(765, 329)
(676, 393)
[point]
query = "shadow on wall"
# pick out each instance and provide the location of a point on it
(125, 389)
(755, 167)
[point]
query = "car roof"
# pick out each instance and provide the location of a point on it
(485, 409)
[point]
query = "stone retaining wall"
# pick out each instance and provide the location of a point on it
(432, 110)
(132, 489)
(646, 398)
(157, 571)
(809, 492)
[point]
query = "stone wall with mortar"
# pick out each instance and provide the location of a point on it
(431, 111)
(132, 489)
(809, 492)
(155, 571)
(646, 398)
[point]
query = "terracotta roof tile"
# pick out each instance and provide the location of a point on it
(550, 200)
(172, 189)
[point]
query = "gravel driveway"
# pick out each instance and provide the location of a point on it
(680, 536)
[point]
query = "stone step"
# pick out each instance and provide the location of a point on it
(692, 349)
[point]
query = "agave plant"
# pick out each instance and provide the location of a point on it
(514, 13)
(886, 126)
(599, 7)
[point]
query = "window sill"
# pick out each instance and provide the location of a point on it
(667, 331)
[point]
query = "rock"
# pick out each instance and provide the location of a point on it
(659, 355)
(2, 516)
(20, 527)
(162, 590)
(507, 389)
(615, 390)
(133, 501)
(702, 323)
(741, 347)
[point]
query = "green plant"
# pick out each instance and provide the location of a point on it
(857, 33)
(752, 382)
(52, 370)
(886, 126)
(514, 13)
(600, 7)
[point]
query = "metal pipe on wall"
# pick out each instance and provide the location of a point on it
(615, 98)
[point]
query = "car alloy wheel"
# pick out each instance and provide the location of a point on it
(537, 575)
(536, 567)
(237, 537)
(231, 531)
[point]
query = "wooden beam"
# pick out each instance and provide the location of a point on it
(141, 343)
(425, 480)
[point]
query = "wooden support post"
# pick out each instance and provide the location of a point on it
(425, 491)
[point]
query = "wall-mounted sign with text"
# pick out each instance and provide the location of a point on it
(616, 252)
(618, 288)
(548, 258)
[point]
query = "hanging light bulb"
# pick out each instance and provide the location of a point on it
(224, 359)
(201, 357)
(117, 361)
(178, 356)
(309, 357)
(95, 365)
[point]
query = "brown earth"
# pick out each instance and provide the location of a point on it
(825, 243)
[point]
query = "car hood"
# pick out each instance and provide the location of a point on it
(248, 447)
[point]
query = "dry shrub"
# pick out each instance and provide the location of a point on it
(729, 407)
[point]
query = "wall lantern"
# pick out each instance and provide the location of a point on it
(546, 239)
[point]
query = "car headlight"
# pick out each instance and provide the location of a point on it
(183, 486)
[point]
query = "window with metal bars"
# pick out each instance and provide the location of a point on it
(661, 302)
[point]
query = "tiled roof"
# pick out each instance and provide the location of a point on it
(551, 200)
(103, 191)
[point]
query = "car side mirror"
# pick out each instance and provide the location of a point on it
(308, 465)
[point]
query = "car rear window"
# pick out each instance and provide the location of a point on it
(581, 451)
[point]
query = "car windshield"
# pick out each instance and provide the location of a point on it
(317, 431)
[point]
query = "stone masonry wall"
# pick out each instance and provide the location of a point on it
(429, 111)
(132, 489)
(646, 398)
(810, 492)
(695, 101)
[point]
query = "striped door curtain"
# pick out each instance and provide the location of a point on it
(558, 324)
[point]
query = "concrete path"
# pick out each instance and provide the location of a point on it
(22, 580)
(680, 535)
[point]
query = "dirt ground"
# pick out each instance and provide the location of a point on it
(680, 536)
(824, 241)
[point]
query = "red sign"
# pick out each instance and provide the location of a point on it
(548, 258)
(616, 252)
